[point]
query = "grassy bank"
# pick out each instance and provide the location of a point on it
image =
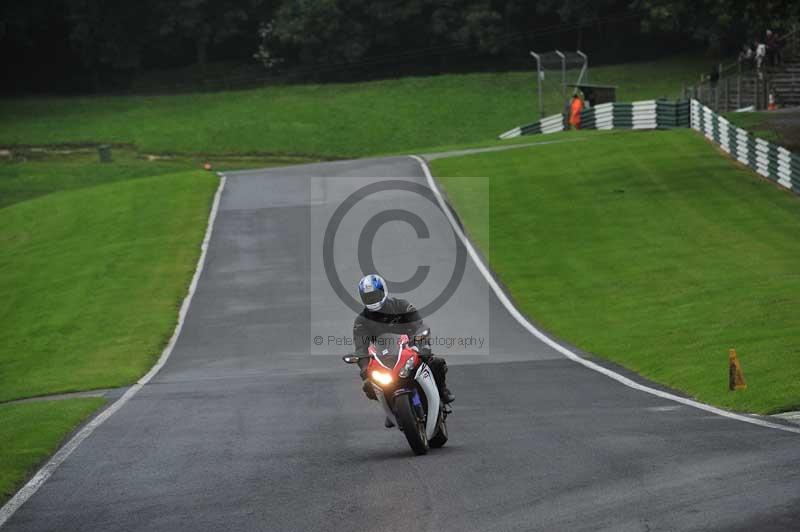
(336, 120)
(91, 280)
(94, 262)
(30, 432)
(33, 174)
(660, 263)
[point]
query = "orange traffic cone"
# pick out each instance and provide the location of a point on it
(735, 375)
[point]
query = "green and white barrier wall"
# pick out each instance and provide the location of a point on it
(647, 114)
(551, 124)
(773, 162)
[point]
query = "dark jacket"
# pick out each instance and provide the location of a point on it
(397, 316)
(773, 42)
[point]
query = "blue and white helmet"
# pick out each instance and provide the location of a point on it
(373, 292)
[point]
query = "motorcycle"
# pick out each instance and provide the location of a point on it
(405, 388)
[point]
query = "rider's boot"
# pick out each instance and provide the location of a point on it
(388, 423)
(447, 396)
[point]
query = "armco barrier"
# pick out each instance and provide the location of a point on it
(647, 114)
(773, 162)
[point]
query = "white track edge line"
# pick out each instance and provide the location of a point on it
(41, 476)
(560, 348)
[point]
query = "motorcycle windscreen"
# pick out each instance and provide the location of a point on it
(388, 347)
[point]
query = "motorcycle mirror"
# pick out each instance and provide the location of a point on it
(350, 359)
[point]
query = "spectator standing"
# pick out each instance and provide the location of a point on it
(771, 42)
(575, 109)
(746, 55)
(774, 44)
(761, 52)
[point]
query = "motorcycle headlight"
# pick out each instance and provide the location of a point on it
(381, 377)
(408, 368)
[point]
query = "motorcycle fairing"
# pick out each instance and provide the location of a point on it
(425, 379)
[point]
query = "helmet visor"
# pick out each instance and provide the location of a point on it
(370, 298)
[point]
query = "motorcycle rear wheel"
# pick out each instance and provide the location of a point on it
(413, 428)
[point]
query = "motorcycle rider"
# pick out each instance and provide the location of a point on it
(383, 314)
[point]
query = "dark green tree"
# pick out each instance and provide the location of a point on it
(108, 35)
(206, 23)
(340, 31)
(721, 25)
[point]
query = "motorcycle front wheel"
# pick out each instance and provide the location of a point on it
(413, 428)
(440, 438)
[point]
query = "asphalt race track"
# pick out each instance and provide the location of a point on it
(252, 426)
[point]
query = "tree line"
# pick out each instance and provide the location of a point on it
(56, 45)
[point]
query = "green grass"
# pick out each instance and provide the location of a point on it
(657, 262)
(23, 180)
(335, 120)
(91, 280)
(495, 143)
(30, 432)
(32, 175)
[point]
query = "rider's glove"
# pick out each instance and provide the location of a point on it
(369, 391)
